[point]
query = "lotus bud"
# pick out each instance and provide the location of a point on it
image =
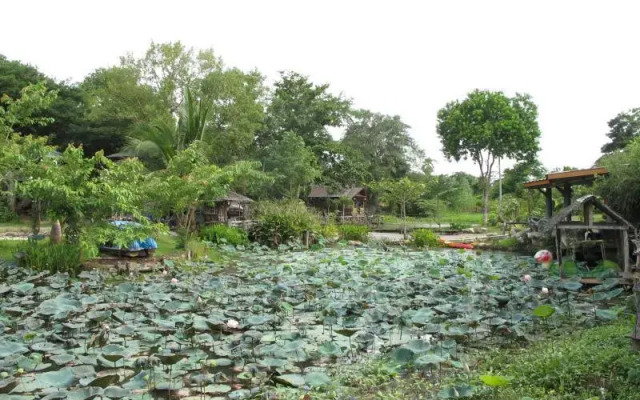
(526, 278)
(544, 291)
(174, 280)
(233, 324)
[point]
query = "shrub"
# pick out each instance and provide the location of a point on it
(6, 215)
(60, 257)
(195, 248)
(282, 222)
(329, 231)
(222, 234)
(425, 238)
(354, 232)
(455, 226)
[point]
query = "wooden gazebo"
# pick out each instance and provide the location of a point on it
(229, 208)
(563, 182)
(614, 229)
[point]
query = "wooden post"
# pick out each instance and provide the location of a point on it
(588, 214)
(548, 194)
(624, 248)
(559, 250)
(566, 194)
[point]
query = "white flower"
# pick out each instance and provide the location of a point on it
(526, 278)
(233, 324)
(164, 272)
(544, 291)
(174, 280)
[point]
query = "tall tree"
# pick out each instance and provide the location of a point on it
(117, 102)
(304, 108)
(169, 68)
(65, 113)
(237, 113)
(385, 144)
(343, 166)
(293, 165)
(622, 129)
(487, 126)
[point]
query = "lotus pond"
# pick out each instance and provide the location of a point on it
(265, 319)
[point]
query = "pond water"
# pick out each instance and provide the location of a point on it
(265, 318)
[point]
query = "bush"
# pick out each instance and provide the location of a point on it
(61, 257)
(222, 234)
(354, 232)
(6, 215)
(329, 231)
(455, 226)
(281, 222)
(425, 238)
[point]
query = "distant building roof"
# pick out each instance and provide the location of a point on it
(352, 192)
(321, 191)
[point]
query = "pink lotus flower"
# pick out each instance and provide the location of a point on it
(233, 324)
(543, 257)
(526, 278)
(174, 280)
(544, 291)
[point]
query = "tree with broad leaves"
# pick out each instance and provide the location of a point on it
(399, 192)
(487, 126)
(622, 129)
(304, 108)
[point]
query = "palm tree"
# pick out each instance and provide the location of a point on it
(161, 140)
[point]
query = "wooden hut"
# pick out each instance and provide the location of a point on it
(572, 235)
(321, 198)
(228, 209)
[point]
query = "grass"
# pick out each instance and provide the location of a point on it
(8, 248)
(168, 246)
(448, 217)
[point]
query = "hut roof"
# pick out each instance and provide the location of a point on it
(235, 197)
(562, 215)
(319, 191)
(351, 192)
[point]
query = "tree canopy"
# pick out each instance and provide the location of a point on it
(487, 126)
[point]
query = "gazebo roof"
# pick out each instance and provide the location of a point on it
(574, 177)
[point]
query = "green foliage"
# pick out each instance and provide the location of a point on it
(54, 258)
(623, 129)
(304, 108)
(292, 164)
(422, 238)
(222, 234)
(575, 367)
(399, 193)
(383, 141)
(280, 222)
(621, 188)
(459, 226)
(354, 232)
(329, 231)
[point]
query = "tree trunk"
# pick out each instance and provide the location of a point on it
(485, 203)
(404, 220)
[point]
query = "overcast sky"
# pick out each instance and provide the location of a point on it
(578, 59)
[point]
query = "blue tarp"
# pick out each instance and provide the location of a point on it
(146, 244)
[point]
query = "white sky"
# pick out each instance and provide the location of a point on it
(578, 59)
